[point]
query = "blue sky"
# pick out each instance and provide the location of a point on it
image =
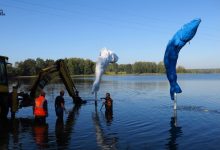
(136, 30)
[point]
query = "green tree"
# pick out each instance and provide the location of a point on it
(88, 66)
(160, 67)
(128, 68)
(11, 70)
(49, 62)
(79, 66)
(138, 67)
(112, 68)
(181, 69)
(27, 67)
(40, 64)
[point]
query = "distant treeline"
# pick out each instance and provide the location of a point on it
(203, 70)
(79, 66)
(31, 67)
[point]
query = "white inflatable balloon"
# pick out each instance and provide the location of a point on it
(106, 57)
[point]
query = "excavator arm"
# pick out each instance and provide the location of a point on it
(49, 73)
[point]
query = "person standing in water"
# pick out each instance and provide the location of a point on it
(59, 105)
(108, 102)
(40, 108)
(108, 108)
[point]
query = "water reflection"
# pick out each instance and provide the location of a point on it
(11, 129)
(175, 132)
(19, 133)
(4, 136)
(64, 132)
(104, 141)
(109, 117)
(40, 134)
(14, 130)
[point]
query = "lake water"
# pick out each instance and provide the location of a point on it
(143, 116)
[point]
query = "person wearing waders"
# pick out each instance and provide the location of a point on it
(108, 107)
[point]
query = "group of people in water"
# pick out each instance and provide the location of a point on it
(40, 109)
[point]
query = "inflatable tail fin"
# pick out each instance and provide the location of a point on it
(174, 89)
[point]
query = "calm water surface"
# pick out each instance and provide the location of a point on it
(142, 118)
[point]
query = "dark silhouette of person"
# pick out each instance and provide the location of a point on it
(59, 105)
(108, 102)
(108, 108)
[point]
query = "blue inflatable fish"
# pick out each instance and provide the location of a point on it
(182, 36)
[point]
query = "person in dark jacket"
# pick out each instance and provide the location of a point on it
(108, 102)
(59, 105)
(108, 108)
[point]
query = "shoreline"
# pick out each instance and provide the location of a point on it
(112, 74)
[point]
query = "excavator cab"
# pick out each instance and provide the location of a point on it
(3, 74)
(3, 87)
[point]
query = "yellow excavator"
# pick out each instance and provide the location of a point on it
(3, 87)
(11, 100)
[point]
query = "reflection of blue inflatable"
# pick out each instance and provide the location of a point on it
(182, 36)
